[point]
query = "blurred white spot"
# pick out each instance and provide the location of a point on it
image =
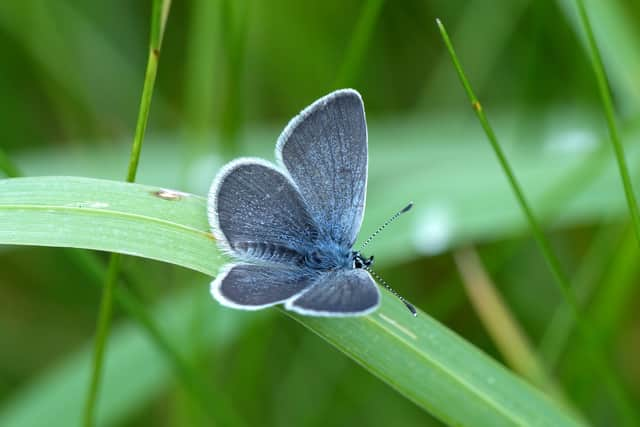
(98, 205)
(570, 141)
(88, 204)
(491, 380)
(434, 230)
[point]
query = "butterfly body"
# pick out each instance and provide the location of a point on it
(326, 256)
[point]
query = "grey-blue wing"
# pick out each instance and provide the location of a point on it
(251, 287)
(259, 214)
(324, 149)
(338, 293)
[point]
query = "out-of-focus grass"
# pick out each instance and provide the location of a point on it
(70, 80)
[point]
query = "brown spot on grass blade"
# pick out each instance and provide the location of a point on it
(171, 195)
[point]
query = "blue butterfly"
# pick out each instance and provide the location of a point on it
(292, 228)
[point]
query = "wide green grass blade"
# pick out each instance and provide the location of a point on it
(437, 369)
(109, 216)
(417, 356)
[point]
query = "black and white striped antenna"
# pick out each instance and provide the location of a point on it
(386, 223)
(384, 283)
(367, 262)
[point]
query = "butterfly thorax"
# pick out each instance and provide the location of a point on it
(326, 256)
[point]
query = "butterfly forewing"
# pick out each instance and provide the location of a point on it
(259, 214)
(324, 149)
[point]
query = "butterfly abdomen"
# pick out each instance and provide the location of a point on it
(268, 252)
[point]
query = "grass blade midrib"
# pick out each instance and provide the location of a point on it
(108, 212)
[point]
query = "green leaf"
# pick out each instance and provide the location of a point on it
(420, 358)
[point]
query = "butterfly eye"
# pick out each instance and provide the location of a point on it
(359, 261)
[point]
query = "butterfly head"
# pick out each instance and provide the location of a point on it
(360, 261)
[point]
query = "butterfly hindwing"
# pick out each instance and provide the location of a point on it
(338, 293)
(251, 286)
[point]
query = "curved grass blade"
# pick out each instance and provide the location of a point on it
(110, 216)
(419, 357)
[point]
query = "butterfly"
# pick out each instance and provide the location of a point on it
(291, 227)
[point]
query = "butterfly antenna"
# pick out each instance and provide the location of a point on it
(386, 223)
(380, 280)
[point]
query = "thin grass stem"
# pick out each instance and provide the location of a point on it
(625, 406)
(133, 307)
(102, 331)
(607, 104)
(539, 236)
(159, 16)
(213, 403)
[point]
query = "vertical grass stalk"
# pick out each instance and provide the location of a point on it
(545, 247)
(212, 402)
(93, 267)
(102, 331)
(607, 104)
(159, 16)
(625, 405)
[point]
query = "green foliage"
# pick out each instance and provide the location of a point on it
(231, 74)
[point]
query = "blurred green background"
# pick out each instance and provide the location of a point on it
(231, 74)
